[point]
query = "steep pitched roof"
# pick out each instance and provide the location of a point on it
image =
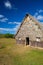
(32, 18)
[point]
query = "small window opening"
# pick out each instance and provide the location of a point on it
(38, 39)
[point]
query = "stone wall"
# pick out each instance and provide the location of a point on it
(36, 44)
(31, 43)
(20, 42)
(30, 29)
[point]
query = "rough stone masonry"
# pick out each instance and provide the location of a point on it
(30, 32)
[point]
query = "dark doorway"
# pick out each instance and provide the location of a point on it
(27, 40)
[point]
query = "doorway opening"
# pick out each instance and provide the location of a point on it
(27, 40)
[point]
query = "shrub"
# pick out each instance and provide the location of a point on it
(8, 35)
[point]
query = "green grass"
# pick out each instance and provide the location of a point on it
(15, 54)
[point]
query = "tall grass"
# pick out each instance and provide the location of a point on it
(15, 54)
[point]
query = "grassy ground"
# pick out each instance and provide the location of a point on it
(15, 54)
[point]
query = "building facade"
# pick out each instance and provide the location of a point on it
(30, 32)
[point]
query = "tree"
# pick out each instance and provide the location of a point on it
(8, 35)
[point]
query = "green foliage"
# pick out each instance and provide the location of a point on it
(2, 35)
(6, 35)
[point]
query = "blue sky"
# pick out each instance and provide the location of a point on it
(12, 13)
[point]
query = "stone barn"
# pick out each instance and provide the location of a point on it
(30, 32)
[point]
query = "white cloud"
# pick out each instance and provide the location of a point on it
(8, 4)
(10, 29)
(40, 17)
(3, 19)
(1, 16)
(36, 14)
(40, 11)
(18, 23)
